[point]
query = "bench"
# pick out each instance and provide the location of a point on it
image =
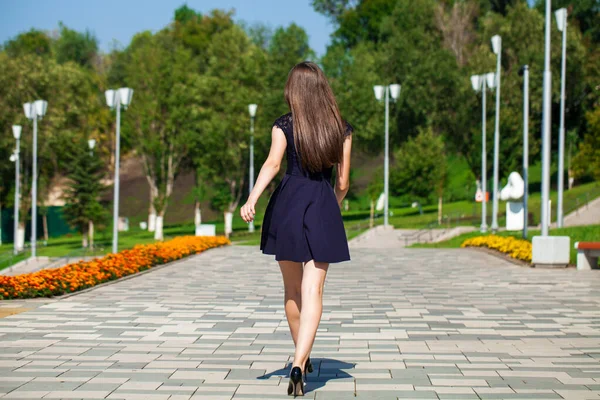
(587, 254)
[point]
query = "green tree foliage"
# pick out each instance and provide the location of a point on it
(432, 48)
(82, 195)
(587, 162)
(420, 169)
(31, 42)
(231, 82)
(73, 104)
(78, 47)
(162, 118)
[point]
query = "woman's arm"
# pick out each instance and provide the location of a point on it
(268, 171)
(342, 181)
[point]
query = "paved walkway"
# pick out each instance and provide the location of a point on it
(588, 214)
(399, 323)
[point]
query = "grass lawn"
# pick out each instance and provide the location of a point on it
(588, 233)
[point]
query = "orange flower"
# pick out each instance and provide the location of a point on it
(83, 274)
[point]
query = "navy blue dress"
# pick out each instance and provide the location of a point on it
(303, 220)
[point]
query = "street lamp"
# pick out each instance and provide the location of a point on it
(91, 145)
(546, 123)
(479, 83)
(252, 111)
(561, 21)
(524, 71)
(394, 91)
(34, 111)
(497, 48)
(16, 237)
(116, 99)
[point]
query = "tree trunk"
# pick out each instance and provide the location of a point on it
(151, 208)
(84, 239)
(91, 233)
(197, 214)
(372, 217)
(45, 225)
(20, 236)
(228, 215)
(440, 210)
(158, 232)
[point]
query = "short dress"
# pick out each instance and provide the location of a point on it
(303, 220)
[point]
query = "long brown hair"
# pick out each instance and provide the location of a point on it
(318, 126)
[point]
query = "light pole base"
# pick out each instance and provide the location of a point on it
(483, 228)
(551, 251)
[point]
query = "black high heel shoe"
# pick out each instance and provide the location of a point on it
(296, 385)
(308, 366)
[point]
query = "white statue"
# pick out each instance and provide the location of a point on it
(513, 192)
(514, 189)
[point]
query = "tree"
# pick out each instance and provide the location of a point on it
(78, 47)
(74, 103)
(374, 190)
(419, 171)
(231, 82)
(81, 197)
(587, 162)
(28, 43)
(164, 118)
(356, 21)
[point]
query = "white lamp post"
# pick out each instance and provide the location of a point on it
(116, 99)
(394, 91)
(497, 48)
(479, 83)
(525, 72)
(546, 123)
(252, 111)
(91, 145)
(561, 20)
(16, 157)
(33, 111)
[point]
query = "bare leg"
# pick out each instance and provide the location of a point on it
(292, 283)
(313, 280)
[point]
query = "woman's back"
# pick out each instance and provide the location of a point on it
(294, 161)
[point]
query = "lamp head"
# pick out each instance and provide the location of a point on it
(395, 91)
(561, 18)
(16, 131)
(125, 95)
(476, 82)
(13, 157)
(378, 89)
(496, 44)
(29, 111)
(110, 98)
(490, 79)
(40, 108)
(92, 144)
(252, 109)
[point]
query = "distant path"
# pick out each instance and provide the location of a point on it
(586, 215)
(389, 238)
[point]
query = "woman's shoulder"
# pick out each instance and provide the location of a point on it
(349, 128)
(284, 122)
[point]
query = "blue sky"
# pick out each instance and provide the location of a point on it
(121, 19)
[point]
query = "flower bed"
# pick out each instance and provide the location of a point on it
(84, 274)
(515, 248)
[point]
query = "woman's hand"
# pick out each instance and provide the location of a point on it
(247, 211)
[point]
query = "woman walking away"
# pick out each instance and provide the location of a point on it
(303, 225)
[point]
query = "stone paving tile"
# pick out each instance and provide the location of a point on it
(397, 324)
